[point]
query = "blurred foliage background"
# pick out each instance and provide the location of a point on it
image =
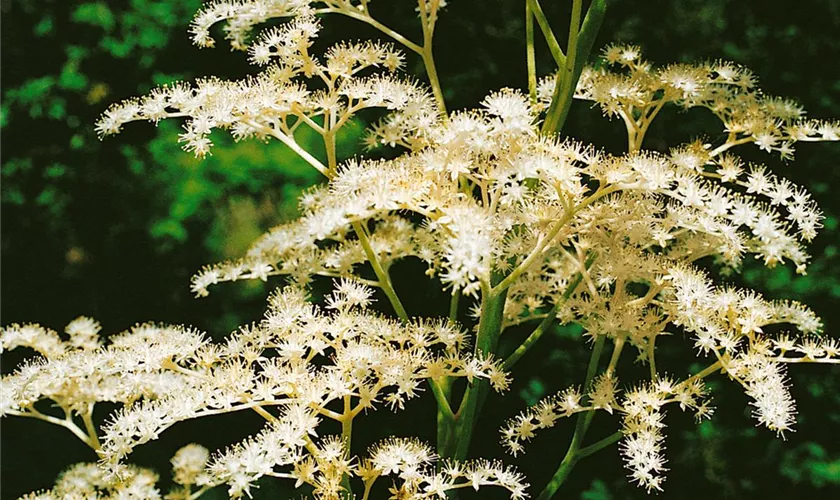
(115, 229)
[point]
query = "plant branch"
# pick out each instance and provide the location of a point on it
(599, 445)
(548, 320)
(87, 418)
(581, 426)
(548, 33)
(381, 274)
(427, 23)
(66, 423)
(294, 146)
(489, 328)
(453, 306)
(546, 240)
(567, 77)
(368, 19)
(530, 56)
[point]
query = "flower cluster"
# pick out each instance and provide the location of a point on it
(412, 463)
(631, 88)
(526, 224)
(88, 481)
(308, 362)
(77, 373)
(280, 99)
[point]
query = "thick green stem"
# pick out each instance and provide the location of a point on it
(487, 340)
(565, 75)
(445, 417)
(580, 45)
(453, 306)
(559, 476)
(442, 390)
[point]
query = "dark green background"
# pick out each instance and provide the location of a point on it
(115, 229)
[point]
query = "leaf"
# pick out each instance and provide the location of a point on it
(44, 26)
(95, 14)
(597, 491)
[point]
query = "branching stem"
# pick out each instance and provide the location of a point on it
(381, 274)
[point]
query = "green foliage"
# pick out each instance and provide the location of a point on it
(241, 189)
(812, 463)
(597, 491)
(534, 391)
(95, 14)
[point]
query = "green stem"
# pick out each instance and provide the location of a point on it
(346, 439)
(530, 56)
(535, 335)
(548, 33)
(453, 306)
(428, 59)
(443, 402)
(581, 426)
(600, 445)
(567, 77)
(445, 417)
(617, 348)
(571, 459)
(592, 367)
(546, 322)
(381, 273)
(559, 476)
(487, 340)
(443, 391)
